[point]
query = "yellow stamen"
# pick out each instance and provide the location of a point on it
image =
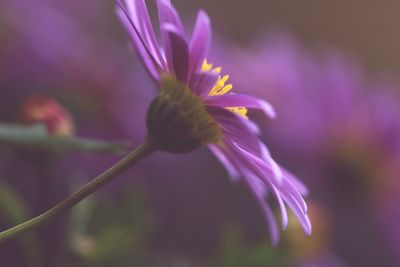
(206, 66)
(221, 88)
(217, 70)
(242, 111)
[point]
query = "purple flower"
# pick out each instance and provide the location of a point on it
(196, 104)
(345, 127)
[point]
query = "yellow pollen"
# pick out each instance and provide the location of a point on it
(217, 70)
(206, 66)
(221, 88)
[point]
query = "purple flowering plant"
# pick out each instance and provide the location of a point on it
(195, 107)
(180, 63)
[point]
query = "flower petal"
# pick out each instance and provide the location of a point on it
(237, 129)
(141, 20)
(282, 207)
(200, 42)
(240, 100)
(302, 217)
(201, 83)
(296, 203)
(292, 189)
(220, 155)
(168, 15)
(296, 182)
(233, 118)
(259, 167)
(177, 52)
(268, 215)
(258, 190)
(144, 54)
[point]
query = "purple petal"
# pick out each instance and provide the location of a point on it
(258, 175)
(270, 218)
(282, 207)
(267, 167)
(233, 118)
(240, 100)
(141, 20)
(302, 217)
(298, 184)
(287, 186)
(201, 83)
(237, 129)
(286, 192)
(256, 165)
(233, 173)
(168, 15)
(250, 180)
(276, 169)
(144, 54)
(235, 133)
(177, 53)
(200, 42)
(295, 203)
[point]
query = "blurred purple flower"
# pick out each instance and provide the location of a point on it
(340, 130)
(60, 55)
(239, 148)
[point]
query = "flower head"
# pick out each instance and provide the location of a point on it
(196, 107)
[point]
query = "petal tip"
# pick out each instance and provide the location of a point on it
(268, 109)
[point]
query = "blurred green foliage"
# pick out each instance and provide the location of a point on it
(14, 211)
(235, 252)
(115, 230)
(109, 232)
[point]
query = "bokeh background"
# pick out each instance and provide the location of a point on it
(329, 68)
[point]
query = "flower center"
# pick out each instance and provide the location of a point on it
(221, 88)
(177, 120)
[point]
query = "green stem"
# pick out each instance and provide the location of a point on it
(36, 137)
(133, 157)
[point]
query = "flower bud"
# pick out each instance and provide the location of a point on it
(177, 120)
(46, 111)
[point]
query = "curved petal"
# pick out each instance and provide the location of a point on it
(168, 14)
(144, 54)
(280, 192)
(241, 100)
(296, 182)
(200, 42)
(269, 217)
(265, 168)
(259, 167)
(253, 170)
(201, 83)
(287, 186)
(220, 155)
(302, 217)
(177, 52)
(141, 20)
(258, 191)
(233, 118)
(282, 207)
